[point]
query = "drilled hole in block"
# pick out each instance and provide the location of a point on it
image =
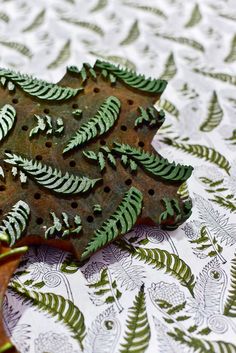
(72, 163)
(75, 106)
(123, 127)
(130, 101)
(96, 90)
(74, 204)
(37, 196)
(107, 189)
(90, 219)
(2, 187)
(141, 144)
(48, 144)
(39, 220)
(102, 142)
(128, 182)
(15, 101)
(39, 157)
(46, 111)
(151, 192)
(24, 128)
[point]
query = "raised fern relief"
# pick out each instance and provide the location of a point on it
(7, 119)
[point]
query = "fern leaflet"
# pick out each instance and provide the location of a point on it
(137, 333)
(38, 88)
(15, 222)
(7, 118)
(170, 68)
(200, 151)
(215, 115)
(195, 17)
(98, 125)
(119, 223)
(131, 78)
(50, 178)
(231, 57)
(132, 35)
(153, 164)
(230, 303)
(218, 76)
(57, 306)
(162, 259)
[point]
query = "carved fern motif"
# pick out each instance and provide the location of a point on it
(52, 178)
(15, 222)
(98, 125)
(35, 87)
(119, 223)
(153, 164)
(7, 118)
(150, 116)
(131, 78)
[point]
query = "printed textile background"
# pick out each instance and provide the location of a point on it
(177, 291)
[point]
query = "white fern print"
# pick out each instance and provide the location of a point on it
(217, 223)
(121, 267)
(208, 292)
(104, 333)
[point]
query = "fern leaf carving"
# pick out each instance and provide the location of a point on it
(215, 115)
(62, 56)
(98, 125)
(62, 309)
(153, 164)
(50, 178)
(131, 78)
(162, 259)
(153, 10)
(7, 118)
(119, 223)
(15, 223)
(38, 88)
(203, 152)
(137, 333)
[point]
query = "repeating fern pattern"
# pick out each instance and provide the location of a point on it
(179, 287)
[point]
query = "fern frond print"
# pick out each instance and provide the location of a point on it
(230, 303)
(119, 223)
(103, 121)
(215, 114)
(137, 334)
(200, 151)
(52, 178)
(64, 310)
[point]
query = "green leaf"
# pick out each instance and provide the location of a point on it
(152, 163)
(131, 78)
(183, 40)
(4, 17)
(70, 265)
(218, 76)
(132, 35)
(215, 114)
(99, 5)
(200, 345)
(21, 48)
(119, 223)
(51, 178)
(169, 107)
(38, 88)
(195, 17)
(203, 152)
(15, 222)
(162, 259)
(7, 118)
(170, 69)
(153, 10)
(37, 21)
(231, 57)
(230, 302)
(57, 306)
(62, 56)
(103, 121)
(87, 25)
(137, 332)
